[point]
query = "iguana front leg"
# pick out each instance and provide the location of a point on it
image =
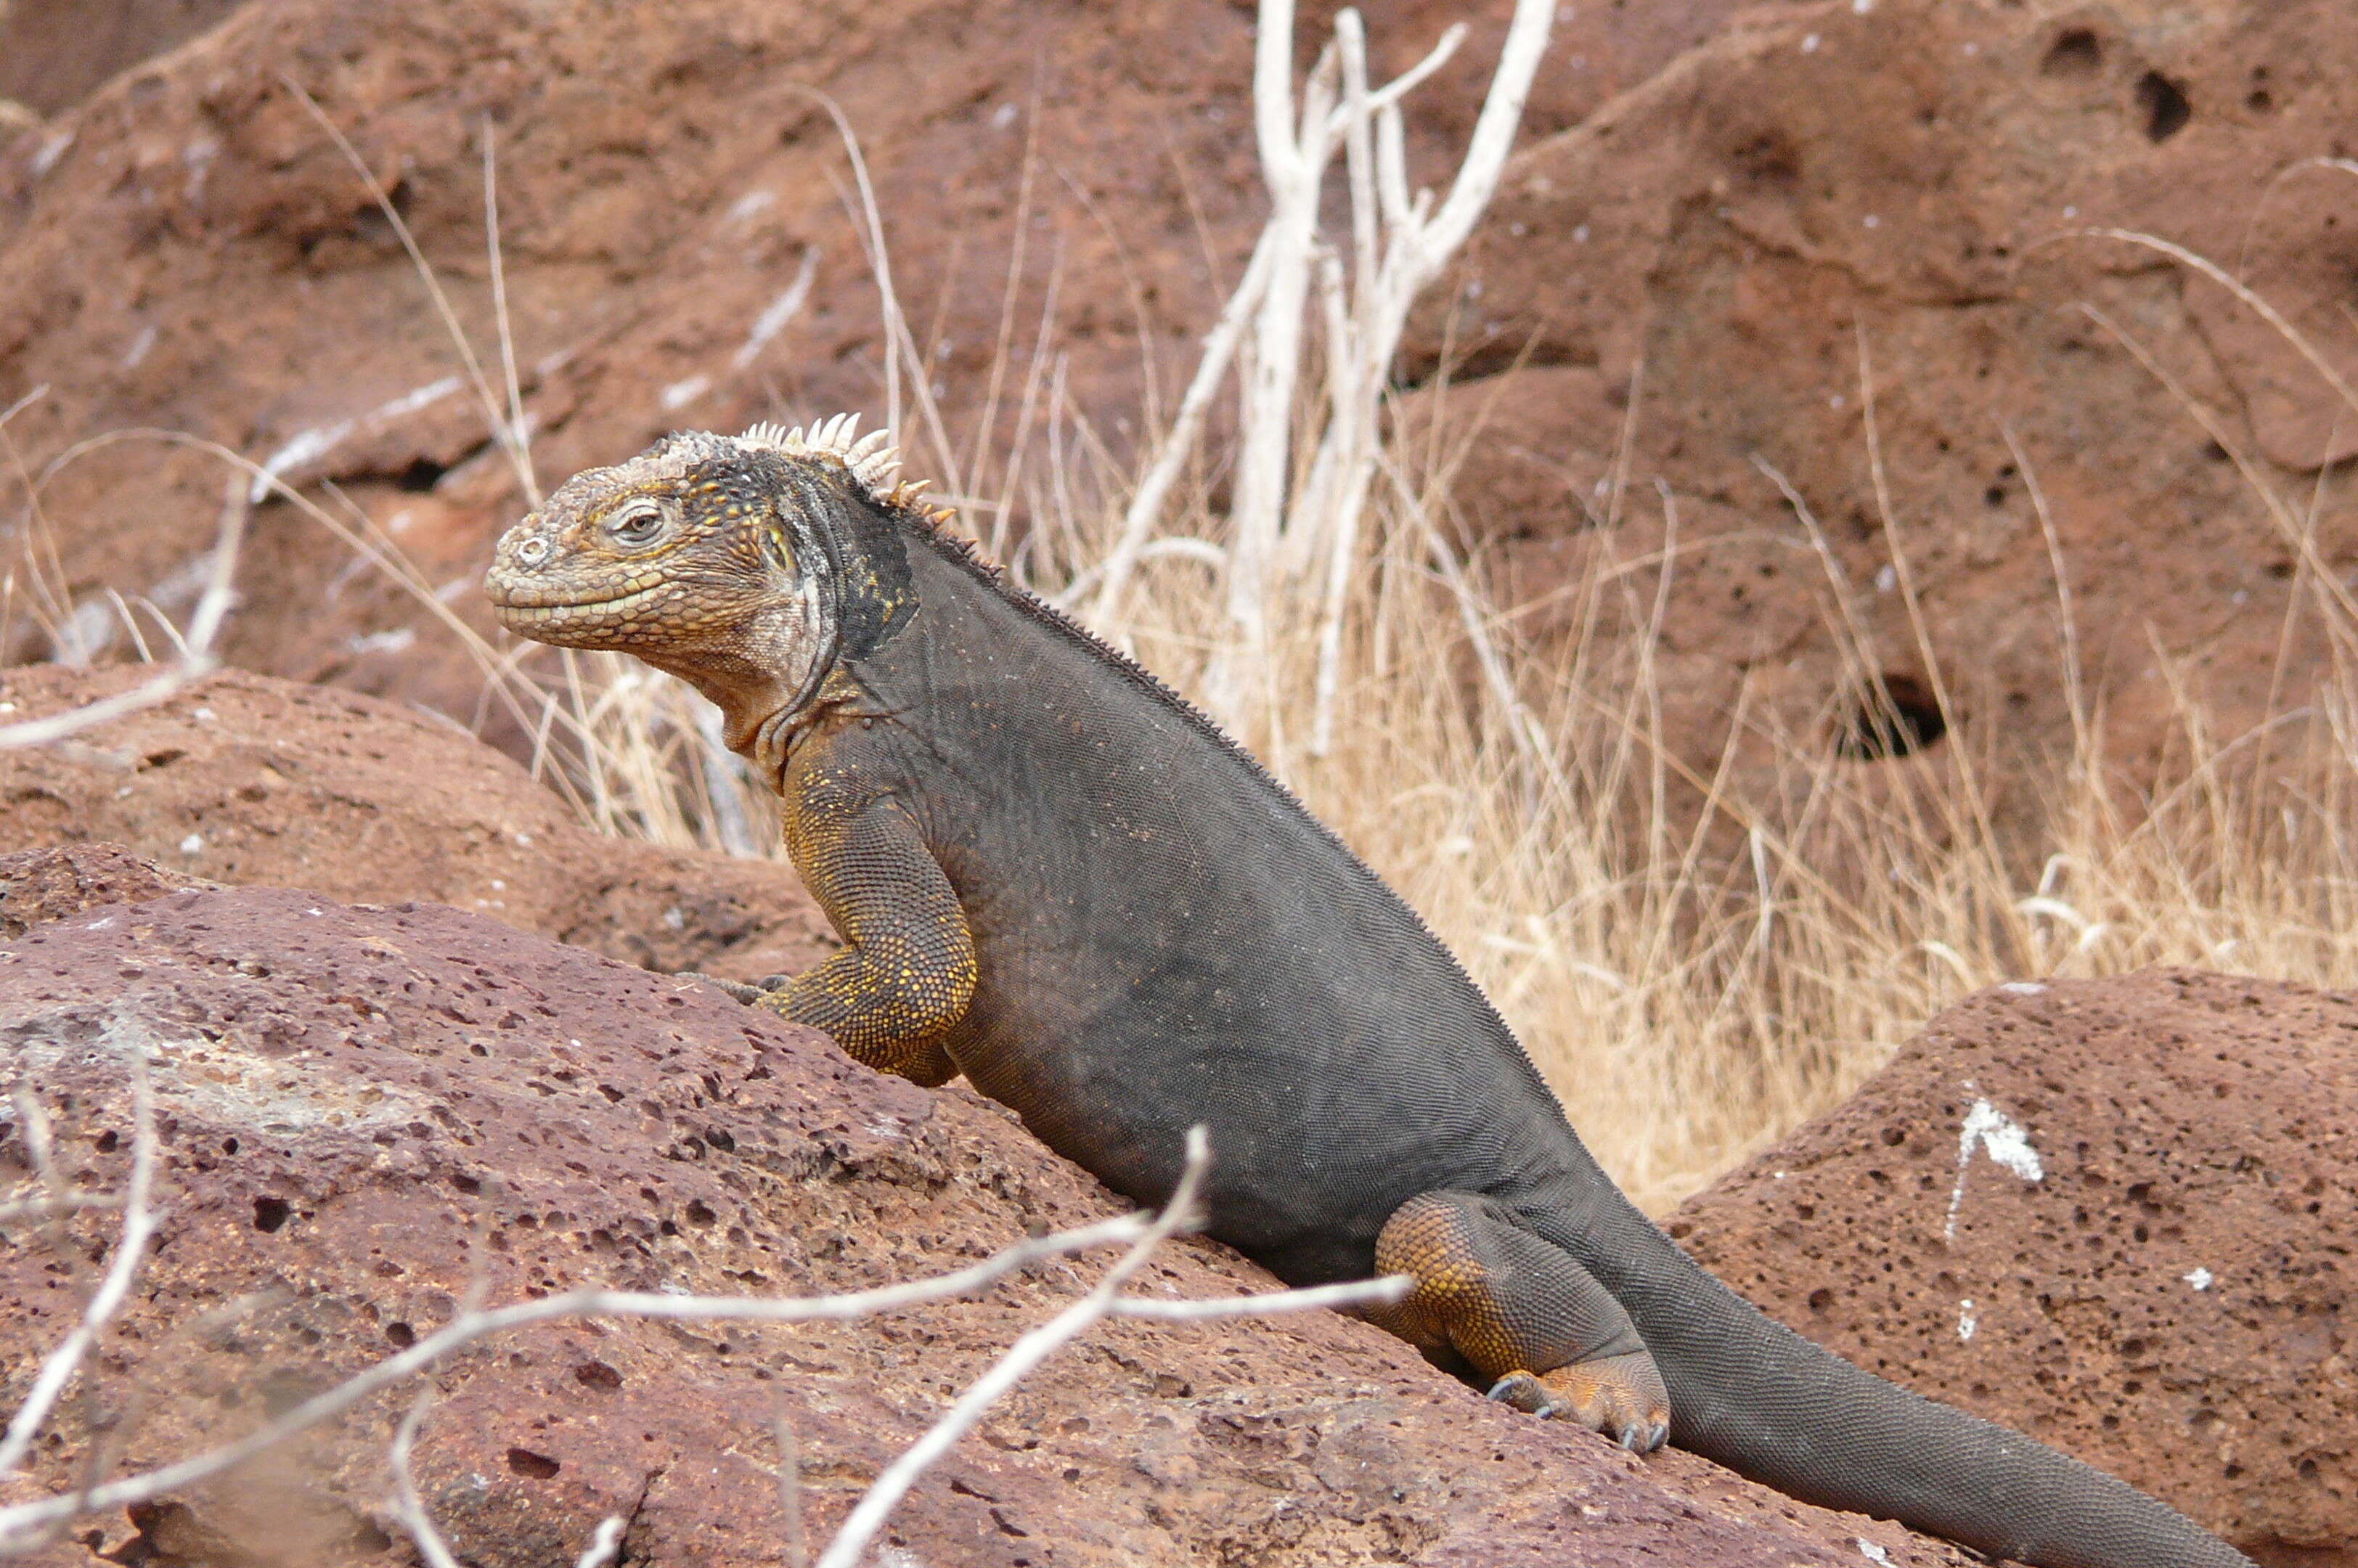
(906, 973)
(1523, 1312)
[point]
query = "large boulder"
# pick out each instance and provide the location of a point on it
(2114, 1214)
(1834, 200)
(241, 778)
(370, 1116)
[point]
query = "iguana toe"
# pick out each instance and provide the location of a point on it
(1528, 1394)
(738, 989)
(1620, 1395)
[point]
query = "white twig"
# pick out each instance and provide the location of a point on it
(1154, 488)
(1312, 1298)
(130, 1251)
(1106, 1301)
(604, 1545)
(406, 1504)
(20, 1522)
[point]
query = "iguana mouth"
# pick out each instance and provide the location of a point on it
(512, 608)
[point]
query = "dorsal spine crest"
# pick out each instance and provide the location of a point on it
(872, 459)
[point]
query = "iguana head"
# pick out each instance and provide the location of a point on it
(749, 565)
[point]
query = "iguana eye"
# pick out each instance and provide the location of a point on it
(639, 522)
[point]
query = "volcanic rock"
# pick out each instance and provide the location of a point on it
(1865, 252)
(369, 1118)
(245, 779)
(2114, 1214)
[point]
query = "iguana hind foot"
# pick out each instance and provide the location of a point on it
(1621, 1396)
(1524, 1311)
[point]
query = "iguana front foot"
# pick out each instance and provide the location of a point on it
(1521, 1309)
(1620, 1396)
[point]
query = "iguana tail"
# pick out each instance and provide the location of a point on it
(1756, 1396)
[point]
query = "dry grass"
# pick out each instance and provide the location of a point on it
(1693, 981)
(1697, 960)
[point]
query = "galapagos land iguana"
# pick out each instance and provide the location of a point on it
(1053, 875)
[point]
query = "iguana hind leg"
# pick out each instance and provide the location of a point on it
(1524, 1311)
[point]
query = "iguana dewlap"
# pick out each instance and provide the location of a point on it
(1053, 876)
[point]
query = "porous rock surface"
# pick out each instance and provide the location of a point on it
(676, 248)
(1834, 212)
(245, 779)
(367, 1113)
(2114, 1214)
(37, 885)
(1725, 195)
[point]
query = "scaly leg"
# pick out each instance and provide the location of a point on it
(1523, 1312)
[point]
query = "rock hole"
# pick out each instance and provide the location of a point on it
(698, 1214)
(539, 1466)
(269, 1214)
(1821, 1299)
(466, 1183)
(2164, 102)
(400, 1336)
(1902, 719)
(165, 1531)
(105, 1141)
(421, 475)
(2075, 53)
(597, 1375)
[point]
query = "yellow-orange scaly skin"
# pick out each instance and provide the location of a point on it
(908, 970)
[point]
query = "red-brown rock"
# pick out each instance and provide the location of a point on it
(186, 250)
(2114, 1214)
(50, 884)
(1835, 197)
(367, 1114)
(245, 779)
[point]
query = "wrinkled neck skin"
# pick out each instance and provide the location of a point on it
(765, 678)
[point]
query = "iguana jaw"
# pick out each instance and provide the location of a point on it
(562, 622)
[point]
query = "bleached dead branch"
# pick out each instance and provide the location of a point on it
(29, 1526)
(1036, 1347)
(1278, 531)
(140, 1217)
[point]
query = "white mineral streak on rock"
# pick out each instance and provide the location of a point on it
(2003, 1139)
(1966, 1321)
